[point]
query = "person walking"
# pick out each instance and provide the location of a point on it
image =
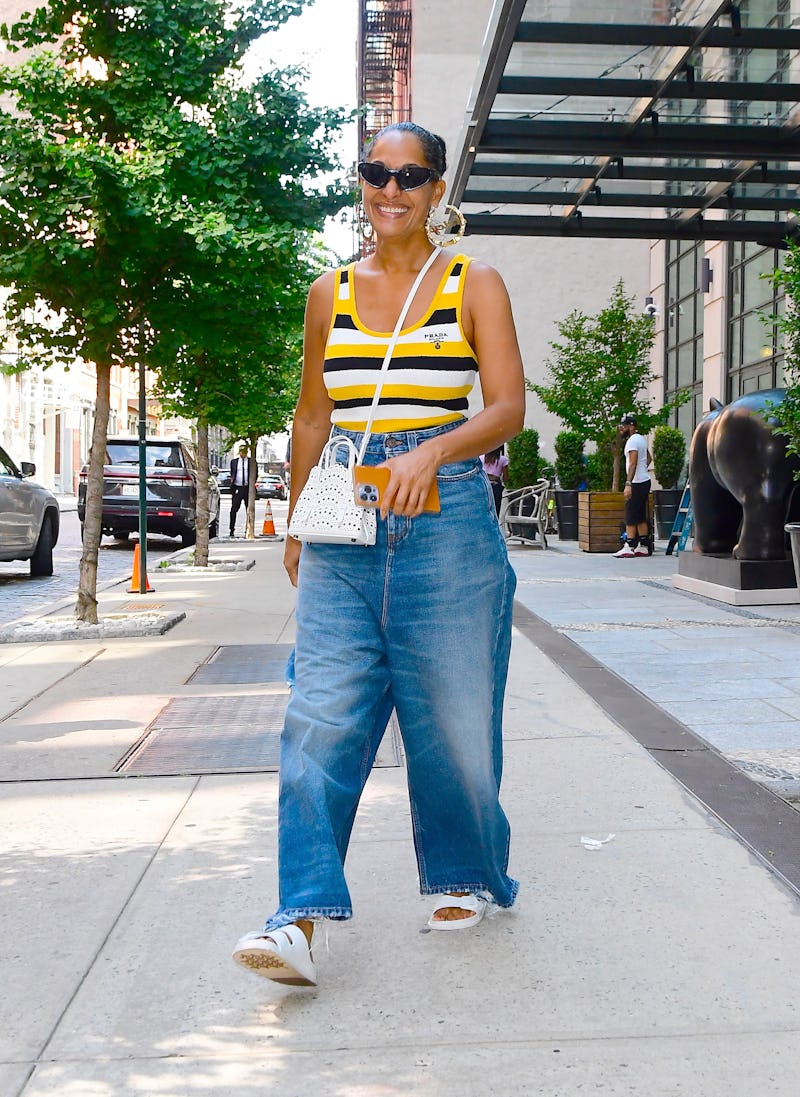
(421, 620)
(240, 485)
(637, 490)
(495, 465)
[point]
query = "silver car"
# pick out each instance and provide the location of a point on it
(29, 517)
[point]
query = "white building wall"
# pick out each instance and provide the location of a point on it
(546, 277)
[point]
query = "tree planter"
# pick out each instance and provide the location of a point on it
(665, 504)
(601, 516)
(793, 529)
(567, 512)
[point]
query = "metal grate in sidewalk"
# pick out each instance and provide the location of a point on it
(202, 735)
(224, 734)
(240, 664)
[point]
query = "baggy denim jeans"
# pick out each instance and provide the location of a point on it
(420, 621)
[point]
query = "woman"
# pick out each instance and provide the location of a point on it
(421, 621)
(495, 465)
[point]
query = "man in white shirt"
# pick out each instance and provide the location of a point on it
(637, 490)
(240, 484)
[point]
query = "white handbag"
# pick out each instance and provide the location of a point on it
(326, 511)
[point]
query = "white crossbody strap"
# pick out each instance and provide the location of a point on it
(390, 349)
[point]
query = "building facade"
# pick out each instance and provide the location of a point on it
(711, 299)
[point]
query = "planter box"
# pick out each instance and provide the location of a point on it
(601, 515)
(601, 520)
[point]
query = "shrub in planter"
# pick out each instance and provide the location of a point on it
(524, 462)
(571, 470)
(570, 463)
(524, 467)
(669, 454)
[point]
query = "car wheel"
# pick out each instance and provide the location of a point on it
(120, 534)
(213, 528)
(188, 537)
(42, 559)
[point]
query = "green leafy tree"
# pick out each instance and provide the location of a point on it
(133, 160)
(243, 376)
(599, 371)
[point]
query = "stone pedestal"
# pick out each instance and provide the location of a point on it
(737, 582)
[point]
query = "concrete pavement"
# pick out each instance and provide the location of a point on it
(662, 963)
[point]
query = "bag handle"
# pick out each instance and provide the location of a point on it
(390, 349)
(333, 443)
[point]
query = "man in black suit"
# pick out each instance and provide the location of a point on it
(240, 485)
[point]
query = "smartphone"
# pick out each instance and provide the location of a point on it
(371, 481)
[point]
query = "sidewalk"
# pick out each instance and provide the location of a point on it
(663, 963)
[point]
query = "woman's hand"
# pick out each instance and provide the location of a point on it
(291, 558)
(412, 475)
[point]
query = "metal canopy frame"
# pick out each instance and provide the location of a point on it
(681, 125)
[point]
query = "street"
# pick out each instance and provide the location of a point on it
(20, 594)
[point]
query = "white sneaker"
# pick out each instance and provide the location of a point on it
(283, 955)
(626, 550)
(641, 550)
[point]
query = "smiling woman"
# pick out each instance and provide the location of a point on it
(420, 620)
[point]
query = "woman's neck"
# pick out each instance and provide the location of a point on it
(399, 257)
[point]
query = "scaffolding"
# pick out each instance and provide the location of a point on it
(384, 65)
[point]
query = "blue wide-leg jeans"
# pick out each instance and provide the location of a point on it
(420, 621)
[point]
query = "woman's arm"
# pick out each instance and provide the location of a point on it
(489, 327)
(312, 417)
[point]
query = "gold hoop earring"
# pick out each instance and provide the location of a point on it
(364, 225)
(445, 227)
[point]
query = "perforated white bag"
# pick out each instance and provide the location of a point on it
(326, 511)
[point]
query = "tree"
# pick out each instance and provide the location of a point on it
(133, 161)
(786, 414)
(600, 371)
(243, 376)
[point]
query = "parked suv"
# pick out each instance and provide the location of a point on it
(29, 517)
(171, 483)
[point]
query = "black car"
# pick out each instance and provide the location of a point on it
(171, 486)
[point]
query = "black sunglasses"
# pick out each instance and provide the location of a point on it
(410, 177)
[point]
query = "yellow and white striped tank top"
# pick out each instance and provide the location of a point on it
(431, 372)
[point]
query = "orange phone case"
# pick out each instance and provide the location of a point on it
(370, 482)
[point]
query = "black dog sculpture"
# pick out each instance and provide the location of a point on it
(741, 480)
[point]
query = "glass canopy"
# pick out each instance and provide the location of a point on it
(624, 118)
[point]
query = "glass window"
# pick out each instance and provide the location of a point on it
(683, 330)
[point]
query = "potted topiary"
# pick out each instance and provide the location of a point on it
(669, 454)
(524, 468)
(571, 474)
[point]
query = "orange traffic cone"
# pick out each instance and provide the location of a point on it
(135, 587)
(268, 529)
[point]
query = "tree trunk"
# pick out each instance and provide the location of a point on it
(251, 494)
(618, 456)
(201, 529)
(86, 606)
